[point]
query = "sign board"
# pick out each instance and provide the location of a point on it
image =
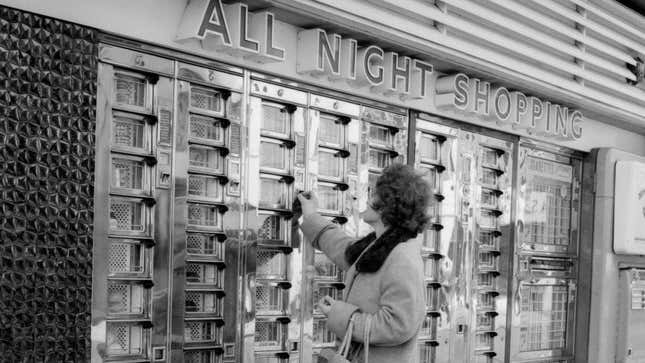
(232, 29)
(629, 208)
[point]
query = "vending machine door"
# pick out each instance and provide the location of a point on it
(543, 317)
(548, 202)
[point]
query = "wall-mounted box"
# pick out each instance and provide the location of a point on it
(629, 208)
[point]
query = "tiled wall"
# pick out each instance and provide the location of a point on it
(47, 121)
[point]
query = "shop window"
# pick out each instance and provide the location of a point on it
(125, 298)
(380, 135)
(202, 273)
(207, 158)
(126, 257)
(201, 331)
(128, 173)
(330, 131)
(205, 187)
(273, 155)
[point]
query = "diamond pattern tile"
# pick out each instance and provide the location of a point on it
(47, 114)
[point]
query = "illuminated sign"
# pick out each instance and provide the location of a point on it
(507, 107)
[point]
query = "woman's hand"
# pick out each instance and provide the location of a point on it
(308, 202)
(324, 305)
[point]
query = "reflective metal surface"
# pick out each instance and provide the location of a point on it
(198, 253)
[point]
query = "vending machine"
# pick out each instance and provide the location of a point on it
(546, 254)
(466, 249)
(167, 210)
(198, 256)
(302, 140)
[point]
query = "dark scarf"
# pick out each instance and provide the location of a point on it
(375, 256)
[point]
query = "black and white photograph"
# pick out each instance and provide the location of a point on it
(322, 181)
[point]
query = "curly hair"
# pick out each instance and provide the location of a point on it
(402, 198)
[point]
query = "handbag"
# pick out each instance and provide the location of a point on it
(328, 355)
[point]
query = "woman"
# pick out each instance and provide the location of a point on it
(383, 270)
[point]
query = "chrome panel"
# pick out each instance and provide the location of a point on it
(315, 90)
(135, 60)
(279, 93)
(335, 106)
(130, 278)
(210, 77)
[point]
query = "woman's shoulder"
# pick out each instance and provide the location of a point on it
(407, 252)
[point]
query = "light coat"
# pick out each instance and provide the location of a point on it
(394, 295)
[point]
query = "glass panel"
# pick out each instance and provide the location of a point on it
(379, 159)
(126, 215)
(321, 291)
(484, 321)
(487, 359)
(273, 155)
(202, 302)
(205, 158)
(125, 298)
(380, 135)
(204, 244)
(428, 329)
(372, 178)
(125, 339)
(489, 157)
(270, 264)
(330, 130)
(206, 128)
(547, 211)
(204, 186)
(485, 301)
(432, 294)
(322, 335)
(328, 164)
(325, 268)
(203, 215)
(427, 353)
(270, 228)
(543, 317)
(125, 258)
(430, 239)
(429, 174)
(200, 331)
(202, 273)
(128, 132)
(428, 147)
(489, 177)
(487, 239)
(273, 193)
(486, 280)
(205, 99)
(487, 219)
(267, 333)
(127, 173)
(201, 356)
(430, 268)
(328, 197)
(275, 118)
(130, 90)
(488, 198)
(268, 299)
(486, 260)
(483, 341)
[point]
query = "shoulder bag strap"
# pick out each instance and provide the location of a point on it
(366, 337)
